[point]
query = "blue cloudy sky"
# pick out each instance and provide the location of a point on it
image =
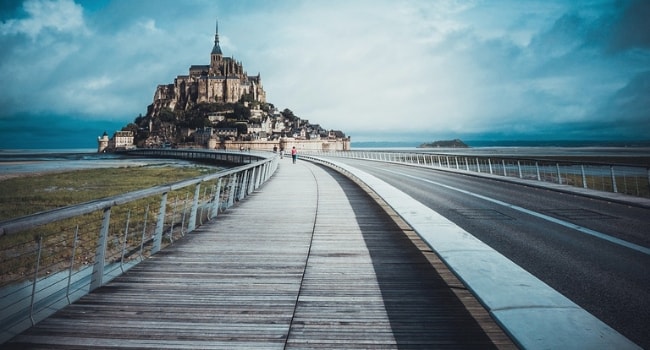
(380, 70)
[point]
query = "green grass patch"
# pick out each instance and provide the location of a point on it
(31, 194)
(26, 195)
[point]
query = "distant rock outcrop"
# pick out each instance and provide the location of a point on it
(456, 143)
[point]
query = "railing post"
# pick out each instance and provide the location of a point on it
(266, 169)
(521, 175)
(157, 236)
(539, 177)
(505, 172)
(126, 237)
(242, 187)
(200, 218)
(191, 225)
(144, 231)
(74, 253)
(258, 176)
(217, 200)
(490, 165)
(478, 165)
(100, 254)
(614, 188)
(184, 215)
(584, 176)
(251, 181)
(173, 221)
(232, 185)
(38, 264)
(559, 174)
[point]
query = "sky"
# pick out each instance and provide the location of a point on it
(379, 70)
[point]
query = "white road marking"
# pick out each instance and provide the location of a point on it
(570, 225)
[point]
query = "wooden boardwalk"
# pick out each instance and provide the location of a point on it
(309, 261)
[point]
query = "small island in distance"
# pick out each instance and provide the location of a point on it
(456, 143)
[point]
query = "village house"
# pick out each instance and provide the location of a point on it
(120, 140)
(202, 136)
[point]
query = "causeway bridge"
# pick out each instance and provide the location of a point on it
(312, 255)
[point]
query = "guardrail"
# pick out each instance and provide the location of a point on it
(196, 154)
(625, 179)
(51, 259)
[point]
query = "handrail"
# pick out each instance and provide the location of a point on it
(30, 221)
(627, 179)
(50, 259)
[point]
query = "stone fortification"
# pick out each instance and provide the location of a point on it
(286, 144)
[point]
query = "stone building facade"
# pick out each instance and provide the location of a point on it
(224, 80)
(120, 140)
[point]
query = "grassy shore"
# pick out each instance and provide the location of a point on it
(30, 194)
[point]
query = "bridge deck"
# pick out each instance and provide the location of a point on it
(308, 261)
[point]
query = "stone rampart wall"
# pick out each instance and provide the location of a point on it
(301, 145)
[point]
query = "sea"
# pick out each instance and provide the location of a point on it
(17, 162)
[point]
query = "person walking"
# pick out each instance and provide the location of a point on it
(294, 154)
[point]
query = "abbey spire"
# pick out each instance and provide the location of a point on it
(216, 50)
(216, 55)
(224, 80)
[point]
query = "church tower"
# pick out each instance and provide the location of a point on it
(102, 143)
(216, 55)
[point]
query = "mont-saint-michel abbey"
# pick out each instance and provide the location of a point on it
(223, 80)
(220, 106)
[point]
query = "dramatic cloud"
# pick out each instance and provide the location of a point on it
(60, 16)
(378, 70)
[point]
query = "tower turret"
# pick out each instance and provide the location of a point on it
(102, 143)
(216, 55)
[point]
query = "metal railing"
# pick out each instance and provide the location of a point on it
(51, 259)
(625, 179)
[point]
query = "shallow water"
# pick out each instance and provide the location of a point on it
(21, 162)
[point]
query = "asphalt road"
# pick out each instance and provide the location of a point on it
(594, 252)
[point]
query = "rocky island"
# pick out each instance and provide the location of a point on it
(456, 143)
(220, 106)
